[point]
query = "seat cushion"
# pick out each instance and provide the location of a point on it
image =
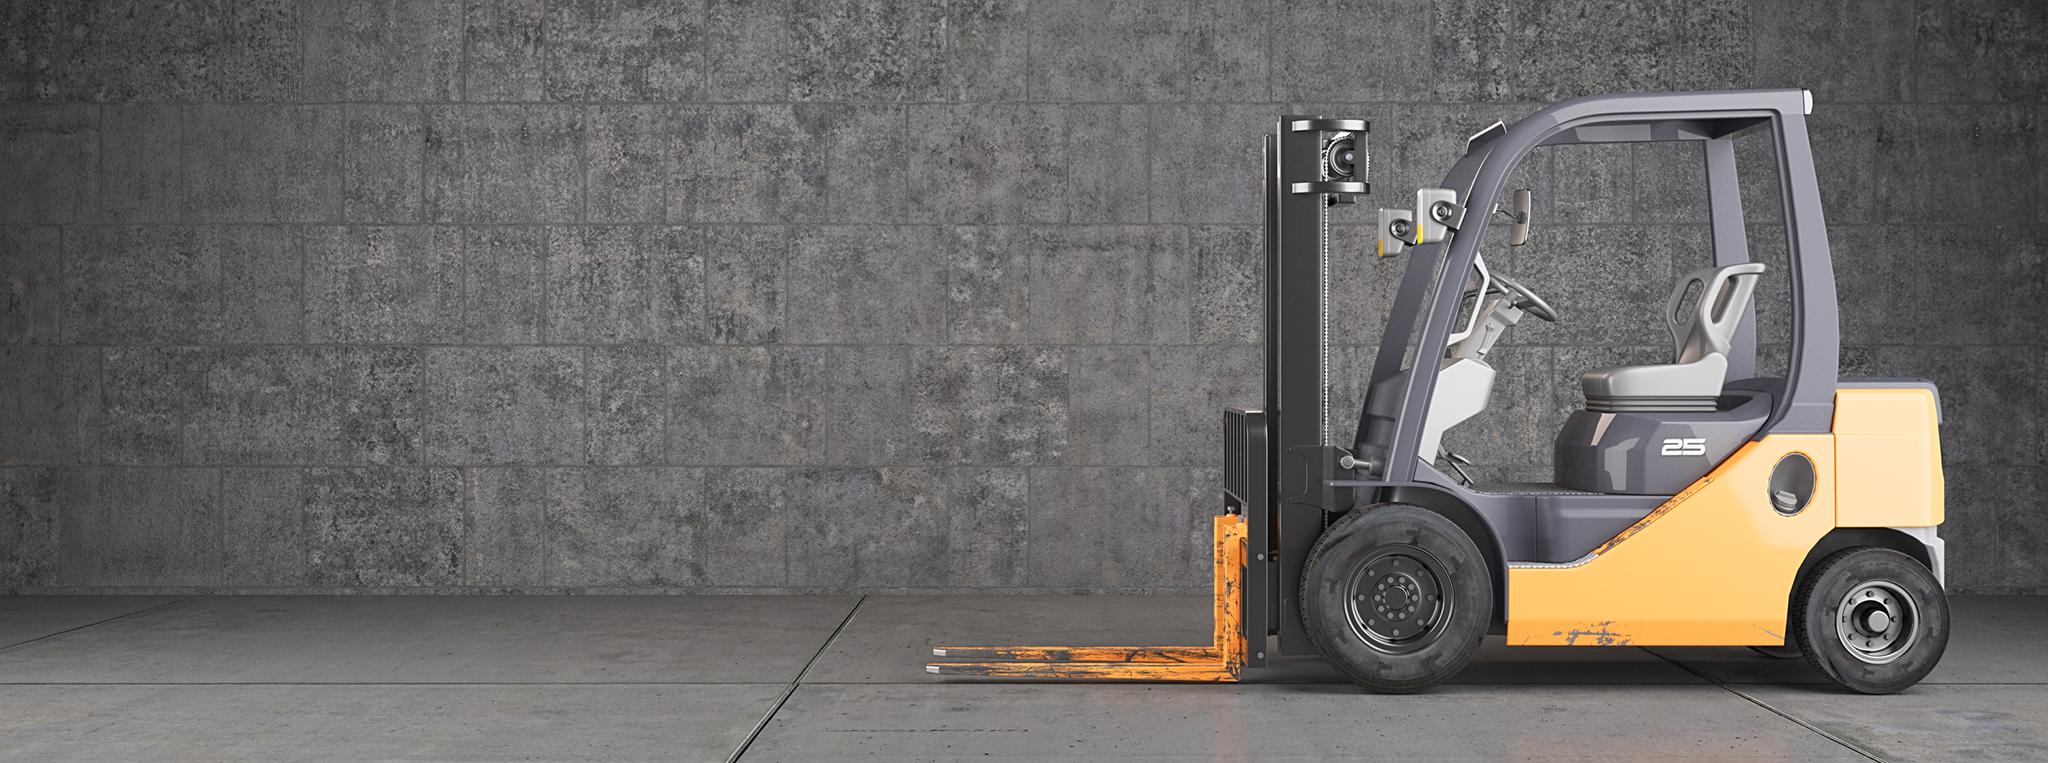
(1700, 378)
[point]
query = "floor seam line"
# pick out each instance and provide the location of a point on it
(790, 690)
(1824, 733)
(153, 608)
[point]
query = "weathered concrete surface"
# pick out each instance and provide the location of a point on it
(1242, 722)
(26, 618)
(379, 722)
(596, 639)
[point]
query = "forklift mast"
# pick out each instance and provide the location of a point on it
(1280, 460)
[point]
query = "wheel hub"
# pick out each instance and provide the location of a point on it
(1877, 621)
(1397, 602)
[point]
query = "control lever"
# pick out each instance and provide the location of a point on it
(1457, 464)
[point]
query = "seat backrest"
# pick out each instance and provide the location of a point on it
(1705, 324)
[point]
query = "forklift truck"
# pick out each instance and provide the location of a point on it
(1694, 503)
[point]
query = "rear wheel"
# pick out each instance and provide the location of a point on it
(1396, 596)
(1872, 619)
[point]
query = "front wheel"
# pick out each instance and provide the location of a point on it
(1397, 597)
(1872, 619)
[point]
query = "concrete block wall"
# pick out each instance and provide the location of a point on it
(591, 295)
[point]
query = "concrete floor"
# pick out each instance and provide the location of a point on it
(830, 677)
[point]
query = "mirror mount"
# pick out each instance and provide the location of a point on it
(1518, 215)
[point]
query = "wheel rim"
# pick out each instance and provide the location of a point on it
(1877, 622)
(1396, 600)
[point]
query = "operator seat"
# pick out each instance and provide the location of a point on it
(1704, 310)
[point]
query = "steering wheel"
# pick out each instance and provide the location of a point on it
(1524, 298)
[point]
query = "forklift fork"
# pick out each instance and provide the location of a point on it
(1218, 662)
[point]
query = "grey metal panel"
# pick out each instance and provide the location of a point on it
(1731, 245)
(1816, 324)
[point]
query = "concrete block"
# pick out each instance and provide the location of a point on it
(1099, 527)
(745, 282)
(988, 285)
(504, 164)
(1229, 284)
(1611, 283)
(747, 164)
(31, 272)
(1362, 286)
(1663, 45)
(503, 270)
(31, 49)
(998, 406)
(381, 284)
(1108, 401)
(627, 158)
(260, 163)
(261, 292)
(624, 50)
(745, 406)
(1452, 50)
(1190, 388)
(49, 157)
(1863, 256)
(424, 283)
(263, 527)
(986, 526)
(613, 285)
(504, 405)
(255, 52)
(868, 527)
(1978, 51)
(1848, 158)
(1108, 285)
(749, 51)
(383, 527)
(1149, 51)
(504, 527)
(140, 166)
(1204, 159)
(147, 390)
(1999, 183)
(866, 285)
(626, 405)
(624, 527)
(991, 163)
(232, 284)
(123, 52)
(866, 153)
(2002, 289)
(30, 506)
(1594, 184)
(745, 532)
(1794, 41)
(867, 392)
(264, 405)
(139, 527)
(1978, 524)
(1109, 164)
(918, 51)
(502, 42)
(1670, 183)
(384, 50)
(385, 168)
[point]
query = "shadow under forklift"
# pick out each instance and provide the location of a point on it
(1694, 503)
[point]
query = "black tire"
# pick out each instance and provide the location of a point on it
(1412, 560)
(1790, 651)
(1872, 619)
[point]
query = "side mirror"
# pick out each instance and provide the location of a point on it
(1518, 233)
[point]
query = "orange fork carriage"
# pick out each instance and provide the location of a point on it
(1219, 662)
